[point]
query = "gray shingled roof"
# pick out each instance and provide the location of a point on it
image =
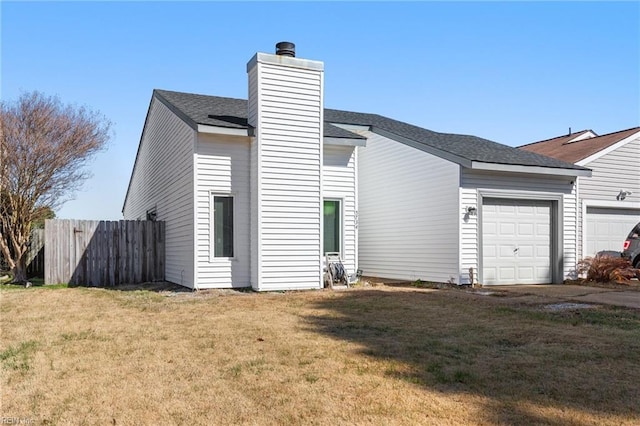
(225, 112)
(232, 113)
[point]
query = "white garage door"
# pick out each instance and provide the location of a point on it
(607, 228)
(516, 241)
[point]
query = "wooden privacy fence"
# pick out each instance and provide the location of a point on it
(103, 253)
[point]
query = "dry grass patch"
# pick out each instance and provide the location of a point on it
(380, 356)
(607, 269)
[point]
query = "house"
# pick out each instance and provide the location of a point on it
(609, 200)
(252, 193)
(255, 192)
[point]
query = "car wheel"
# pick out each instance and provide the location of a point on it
(636, 264)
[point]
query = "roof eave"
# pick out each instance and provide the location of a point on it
(219, 130)
(350, 127)
(232, 131)
(540, 170)
(327, 140)
(608, 149)
(177, 111)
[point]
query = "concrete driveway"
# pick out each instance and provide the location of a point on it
(629, 298)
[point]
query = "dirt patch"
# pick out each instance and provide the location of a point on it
(554, 307)
(157, 286)
(374, 282)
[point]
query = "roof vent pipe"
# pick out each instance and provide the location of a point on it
(285, 48)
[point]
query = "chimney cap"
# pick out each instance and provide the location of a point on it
(286, 48)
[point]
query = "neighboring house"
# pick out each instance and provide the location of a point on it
(254, 192)
(609, 200)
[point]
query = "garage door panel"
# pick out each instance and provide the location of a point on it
(526, 273)
(490, 274)
(506, 209)
(491, 229)
(520, 250)
(506, 251)
(543, 229)
(530, 210)
(526, 252)
(542, 271)
(526, 229)
(507, 228)
(607, 228)
(543, 251)
(508, 273)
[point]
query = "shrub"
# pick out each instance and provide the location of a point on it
(607, 268)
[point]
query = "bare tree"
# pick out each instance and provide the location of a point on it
(44, 148)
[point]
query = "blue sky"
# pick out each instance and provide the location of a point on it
(512, 72)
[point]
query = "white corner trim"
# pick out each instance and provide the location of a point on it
(356, 258)
(609, 149)
(321, 177)
(194, 192)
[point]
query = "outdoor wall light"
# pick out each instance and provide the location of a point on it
(622, 195)
(471, 211)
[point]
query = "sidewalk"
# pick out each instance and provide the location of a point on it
(577, 293)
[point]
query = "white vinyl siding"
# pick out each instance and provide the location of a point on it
(222, 169)
(339, 183)
(614, 171)
(285, 107)
(163, 179)
(407, 221)
(511, 185)
(469, 229)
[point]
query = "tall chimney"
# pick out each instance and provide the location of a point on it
(285, 109)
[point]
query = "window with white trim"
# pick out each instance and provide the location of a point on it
(222, 221)
(332, 213)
